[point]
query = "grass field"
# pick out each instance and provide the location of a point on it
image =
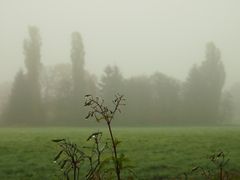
(27, 153)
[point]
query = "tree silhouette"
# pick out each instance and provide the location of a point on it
(203, 88)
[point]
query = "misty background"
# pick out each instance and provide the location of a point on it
(151, 47)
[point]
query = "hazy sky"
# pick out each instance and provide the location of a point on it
(140, 36)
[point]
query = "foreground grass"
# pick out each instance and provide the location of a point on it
(27, 153)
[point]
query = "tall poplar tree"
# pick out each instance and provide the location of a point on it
(24, 106)
(32, 48)
(78, 76)
(78, 62)
(203, 88)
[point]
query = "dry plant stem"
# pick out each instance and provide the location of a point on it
(98, 153)
(114, 150)
(99, 111)
(74, 169)
(74, 173)
(221, 174)
(92, 170)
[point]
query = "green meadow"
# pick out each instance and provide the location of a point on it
(156, 153)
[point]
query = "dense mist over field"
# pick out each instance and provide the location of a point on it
(119, 89)
(176, 62)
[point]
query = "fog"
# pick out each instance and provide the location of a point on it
(119, 89)
(175, 61)
(166, 36)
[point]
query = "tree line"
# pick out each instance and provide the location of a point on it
(55, 94)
